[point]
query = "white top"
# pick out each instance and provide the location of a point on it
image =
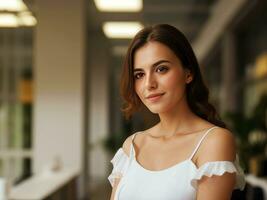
(177, 182)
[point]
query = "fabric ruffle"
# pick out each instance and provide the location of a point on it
(120, 162)
(219, 168)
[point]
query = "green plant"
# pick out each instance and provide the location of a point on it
(114, 142)
(243, 127)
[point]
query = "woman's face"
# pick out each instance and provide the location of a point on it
(160, 78)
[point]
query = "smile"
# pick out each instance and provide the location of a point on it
(154, 97)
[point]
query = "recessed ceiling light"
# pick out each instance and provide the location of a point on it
(119, 5)
(26, 19)
(8, 20)
(12, 5)
(121, 29)
(14, 13)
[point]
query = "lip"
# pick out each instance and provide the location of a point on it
(155, 97)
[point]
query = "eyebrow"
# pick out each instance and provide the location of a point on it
(154, 65)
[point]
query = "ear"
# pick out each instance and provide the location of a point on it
(188, 76)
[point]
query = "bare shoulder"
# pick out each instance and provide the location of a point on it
(126, 146)
(218, 145)
(219, 136)
(138, 140)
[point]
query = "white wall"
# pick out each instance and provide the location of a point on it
(58, 75)
(98, 106)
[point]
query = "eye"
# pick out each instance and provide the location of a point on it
(138, 75)
(162, 69)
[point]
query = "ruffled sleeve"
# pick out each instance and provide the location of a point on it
(219, 168)
(120, 162)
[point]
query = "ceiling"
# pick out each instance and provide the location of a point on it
(187, 15)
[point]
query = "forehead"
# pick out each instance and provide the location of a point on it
(152, 52)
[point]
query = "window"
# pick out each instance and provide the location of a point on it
(15, 103)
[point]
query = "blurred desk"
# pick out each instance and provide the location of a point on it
(258, 181)
(41, 186)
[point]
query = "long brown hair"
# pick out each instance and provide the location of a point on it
(196, 90)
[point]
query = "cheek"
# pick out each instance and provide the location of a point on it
(138, 89)
(174, 82)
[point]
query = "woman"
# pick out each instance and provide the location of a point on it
(189, 154)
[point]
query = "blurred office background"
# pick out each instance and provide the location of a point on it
(60, 64)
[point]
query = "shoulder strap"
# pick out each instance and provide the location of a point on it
(132, 152)
(199, 143)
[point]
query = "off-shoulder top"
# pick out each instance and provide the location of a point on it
(178, 182)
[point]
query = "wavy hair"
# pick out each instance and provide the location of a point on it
(197, 93)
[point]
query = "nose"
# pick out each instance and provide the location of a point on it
(150, 82)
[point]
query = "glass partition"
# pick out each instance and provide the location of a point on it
(16, 46)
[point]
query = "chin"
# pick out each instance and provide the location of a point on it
(157, 109)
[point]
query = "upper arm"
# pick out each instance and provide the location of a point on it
(217, 146)
(114, 188)
(126, 148)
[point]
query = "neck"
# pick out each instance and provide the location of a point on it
(180, 120)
